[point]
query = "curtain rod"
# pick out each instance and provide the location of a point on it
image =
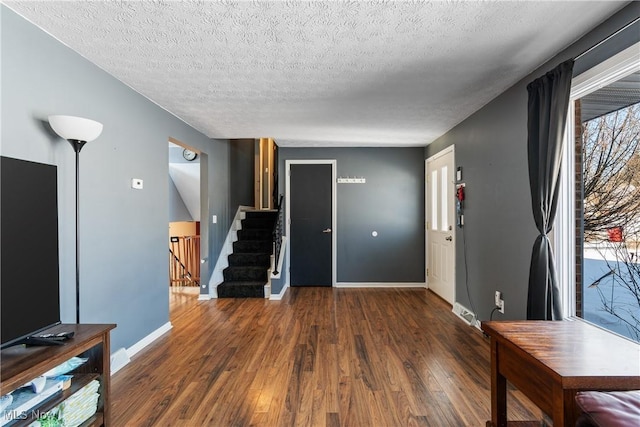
(606, 39)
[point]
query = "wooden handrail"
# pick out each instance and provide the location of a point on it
(184, 260)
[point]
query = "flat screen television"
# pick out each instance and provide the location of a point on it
(29, 279)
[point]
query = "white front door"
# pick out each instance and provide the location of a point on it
(440, 238)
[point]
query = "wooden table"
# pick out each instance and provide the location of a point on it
(550, 361)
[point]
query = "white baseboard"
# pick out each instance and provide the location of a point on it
(204, 297)
(134, 349)
(280, 295)
(380, 285)
(122, 356)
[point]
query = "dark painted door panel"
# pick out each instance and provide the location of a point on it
(311, 227)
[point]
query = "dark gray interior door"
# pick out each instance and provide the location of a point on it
(311, 226)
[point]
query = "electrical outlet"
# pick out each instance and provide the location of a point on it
(499, 302)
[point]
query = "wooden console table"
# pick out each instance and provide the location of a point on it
(22, 364)
(550, 361)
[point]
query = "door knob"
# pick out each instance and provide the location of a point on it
(448, 239)
(328, 230)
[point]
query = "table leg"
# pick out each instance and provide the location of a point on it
(557, 397)
(498, 389)
(570, 409)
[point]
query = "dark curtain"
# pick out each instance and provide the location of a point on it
(548, 103)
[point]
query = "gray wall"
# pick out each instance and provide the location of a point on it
(241, 173)
(391, 203)
(123, 232)
(177, 209)
(491, 147)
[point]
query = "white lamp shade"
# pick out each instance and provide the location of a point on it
(78, 128)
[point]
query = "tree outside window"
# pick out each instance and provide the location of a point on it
(611, 207)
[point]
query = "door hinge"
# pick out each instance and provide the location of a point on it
(427, 272)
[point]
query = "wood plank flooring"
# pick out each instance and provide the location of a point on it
(320, 357)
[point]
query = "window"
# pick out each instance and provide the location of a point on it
(597, 236)
(444, 198)
(434, 200)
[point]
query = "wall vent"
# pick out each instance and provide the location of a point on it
(465, 314)
(119, 360)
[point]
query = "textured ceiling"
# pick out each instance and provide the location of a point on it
(319, 73)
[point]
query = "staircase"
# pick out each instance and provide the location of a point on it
(249, 264)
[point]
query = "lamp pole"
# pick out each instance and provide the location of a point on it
(77, 146)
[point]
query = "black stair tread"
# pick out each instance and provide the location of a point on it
(251, 254)
(261, 214)
(246, 267)
(257, 223)
(252, 246)
(241, 290)
(244, 283)
(254, 242)
(255, 234)
(249, 270)
(249, 260)
(243, 273)
(236, 251)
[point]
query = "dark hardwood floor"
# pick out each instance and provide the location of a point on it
(319, 357)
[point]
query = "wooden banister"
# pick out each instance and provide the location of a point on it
(184, 260)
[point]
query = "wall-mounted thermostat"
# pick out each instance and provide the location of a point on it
(137, 183)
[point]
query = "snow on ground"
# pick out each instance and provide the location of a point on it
(609, 290)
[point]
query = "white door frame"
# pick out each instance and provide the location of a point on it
(205, 228)
(334, 222)
(446, 151)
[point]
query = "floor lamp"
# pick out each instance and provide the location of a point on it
(78, 132)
